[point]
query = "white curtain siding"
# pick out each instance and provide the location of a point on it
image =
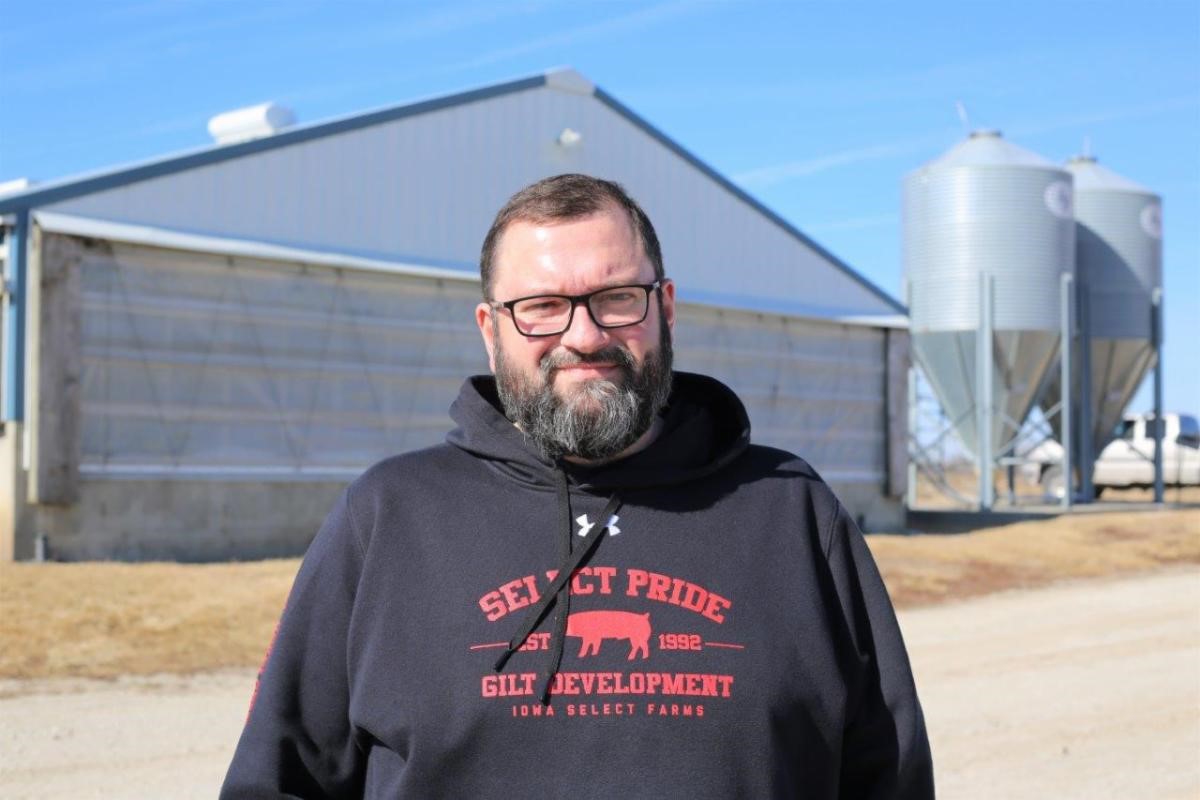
(195, 363)
(813, 387)
(201, 364)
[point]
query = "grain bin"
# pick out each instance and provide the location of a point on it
(1118, 264)
(987, 214)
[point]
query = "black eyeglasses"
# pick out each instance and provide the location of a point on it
(551, 314)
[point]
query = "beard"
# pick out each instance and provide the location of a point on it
(595, 419)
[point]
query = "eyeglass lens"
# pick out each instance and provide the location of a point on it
(610, 308)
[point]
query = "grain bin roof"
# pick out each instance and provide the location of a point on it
(1091, 176)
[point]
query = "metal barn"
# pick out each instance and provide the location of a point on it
(201, 350)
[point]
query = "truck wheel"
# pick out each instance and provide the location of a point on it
(1052, 483)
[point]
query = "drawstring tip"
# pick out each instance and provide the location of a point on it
(547, 682)
(503, 659)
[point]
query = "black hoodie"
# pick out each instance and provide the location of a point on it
(725, 635)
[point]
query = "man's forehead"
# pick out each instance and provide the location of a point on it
(610, 220)
(541, 256)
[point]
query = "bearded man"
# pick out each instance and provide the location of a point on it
(733, 636)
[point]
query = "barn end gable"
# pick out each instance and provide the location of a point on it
(421, 182)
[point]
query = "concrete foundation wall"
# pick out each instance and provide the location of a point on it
(186, 520)
(180, 520)
(873, 512)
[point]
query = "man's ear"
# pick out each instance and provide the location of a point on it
(487, 329)
(668, 302)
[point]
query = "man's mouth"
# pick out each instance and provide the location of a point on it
(584, 363)
(585, 373)
(583, 368)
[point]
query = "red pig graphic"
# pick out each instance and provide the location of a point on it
(596, 626)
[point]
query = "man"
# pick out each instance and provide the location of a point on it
(597, 587)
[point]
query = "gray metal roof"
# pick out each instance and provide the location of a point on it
(77, 186)
(421, 181)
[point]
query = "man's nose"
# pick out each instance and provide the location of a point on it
(583, 334)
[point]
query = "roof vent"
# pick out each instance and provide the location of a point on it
(569, 138)
(15, 185)
(252, 122)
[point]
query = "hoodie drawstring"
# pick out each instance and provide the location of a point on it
(559, 589)
(563, 598)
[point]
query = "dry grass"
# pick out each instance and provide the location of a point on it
(921, 570)
(105, 619)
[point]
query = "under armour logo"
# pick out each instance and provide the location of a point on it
(585, 525)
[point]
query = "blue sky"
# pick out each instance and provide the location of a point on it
(818, 109)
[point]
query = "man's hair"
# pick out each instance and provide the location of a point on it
(563, 198)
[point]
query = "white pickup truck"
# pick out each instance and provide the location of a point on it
(1128, 460)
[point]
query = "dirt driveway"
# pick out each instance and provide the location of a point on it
(1087, 690)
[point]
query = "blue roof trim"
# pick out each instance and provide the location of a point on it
(122, 176)
(795, 232)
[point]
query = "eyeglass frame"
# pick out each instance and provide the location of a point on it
(578, 299)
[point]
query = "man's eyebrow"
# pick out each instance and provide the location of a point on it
(637, 281)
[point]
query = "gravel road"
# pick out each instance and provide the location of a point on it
(1088, 690)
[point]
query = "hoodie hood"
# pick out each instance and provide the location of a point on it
(705, 427)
